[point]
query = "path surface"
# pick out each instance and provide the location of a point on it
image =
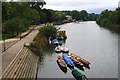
(10, 53)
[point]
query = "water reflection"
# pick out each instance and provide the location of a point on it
(79, 67)
(87, 66)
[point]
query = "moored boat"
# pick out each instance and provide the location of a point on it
(58, 49)
(57, 43)
(65, 50)
(80, 59)
(78, 75)
(68, 60)
(61, 62)
(76, 61)
(53, 40)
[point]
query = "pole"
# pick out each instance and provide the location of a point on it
(4, 45)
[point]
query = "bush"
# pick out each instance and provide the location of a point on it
(48, 30)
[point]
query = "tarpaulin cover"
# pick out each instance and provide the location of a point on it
(77, 74)
(54, 40)
(68, 60)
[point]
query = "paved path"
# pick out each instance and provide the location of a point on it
(10, 53)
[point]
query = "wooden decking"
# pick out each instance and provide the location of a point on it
(23, 66)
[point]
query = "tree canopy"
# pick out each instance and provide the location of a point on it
(109, 17)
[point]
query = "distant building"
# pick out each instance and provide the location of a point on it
(69, 17)
(119, 4)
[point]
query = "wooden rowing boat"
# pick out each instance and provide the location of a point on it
(69, 62)
(61, 62)
(76, 61)
(80, 59)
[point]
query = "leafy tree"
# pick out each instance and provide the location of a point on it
(15, 25)
(48, 31)
(109, 17)
(75, 14)
(84, 15)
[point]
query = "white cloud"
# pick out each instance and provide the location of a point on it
(81, 4)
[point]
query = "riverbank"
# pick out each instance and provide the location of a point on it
(62, 22)
(112, 27)
(38, 43)
(9, 55)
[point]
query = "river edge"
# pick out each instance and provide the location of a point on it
(112, 27)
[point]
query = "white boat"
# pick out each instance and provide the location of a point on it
(58, 49)
(65, 50)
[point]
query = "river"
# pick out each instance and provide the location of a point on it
(88, 40)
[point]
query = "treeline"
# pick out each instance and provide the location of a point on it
(17, 17)
(109, 18)
(81, 15)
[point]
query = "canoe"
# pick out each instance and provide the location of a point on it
(69, 62)
(61, 62)
(76, 61)
(80, 59)
(65, 50)
(78, 75)
(58, 49)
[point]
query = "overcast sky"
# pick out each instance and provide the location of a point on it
(92, 6)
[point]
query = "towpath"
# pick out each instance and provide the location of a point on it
(10, 53)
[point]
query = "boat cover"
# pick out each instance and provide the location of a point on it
(61, 37)
(68, 60)
(54, 40)
(78, 74)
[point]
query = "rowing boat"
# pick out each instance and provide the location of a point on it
(76, 61)
(78, 75)
(80, 59)
(61, 62)
(69, 62)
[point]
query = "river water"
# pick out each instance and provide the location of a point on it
(96, 44)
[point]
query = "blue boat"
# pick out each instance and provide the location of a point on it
(68, 60)
(57, 43)
(54, 40)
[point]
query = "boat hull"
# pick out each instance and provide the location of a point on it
(62, 63)
(86, 63)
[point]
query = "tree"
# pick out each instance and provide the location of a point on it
(75, 14)
(15, 25)
(48, 31)
(83, 15)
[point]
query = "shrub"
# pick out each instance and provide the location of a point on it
(48, 30)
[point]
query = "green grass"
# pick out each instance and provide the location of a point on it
(7, 36)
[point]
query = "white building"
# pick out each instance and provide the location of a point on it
(69, 17)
